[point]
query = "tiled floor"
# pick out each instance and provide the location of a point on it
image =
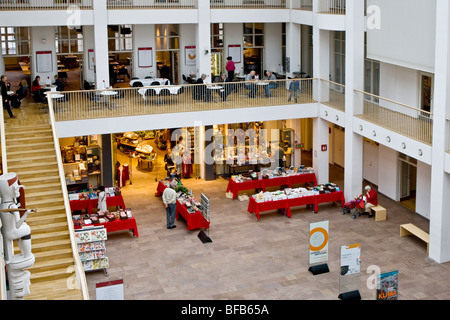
(265, 260)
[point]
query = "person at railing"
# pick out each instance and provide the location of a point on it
(272, 84)
(5, 96)
(37, 91)
(251, 86)
(200, 91)
(227, 87)
(294, 88)
(231, 68)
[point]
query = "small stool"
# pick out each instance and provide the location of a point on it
(380, 213)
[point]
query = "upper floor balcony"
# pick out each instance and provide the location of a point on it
(21, 5)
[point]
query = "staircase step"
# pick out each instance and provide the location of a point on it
(49, 238)
(20, 138)
(54, 290)
(36, 173)
(28, 146)
(32, 158)
(44, 152)
(51, 264)
(37, 229)
(29, 180)
(49, 254)
(48, 246)
(56, 193)
(50, 275)
(44, 185)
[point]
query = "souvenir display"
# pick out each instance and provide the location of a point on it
(268, 174)
(91, 247)
(292, 193)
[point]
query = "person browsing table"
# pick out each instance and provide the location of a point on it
(169, 198)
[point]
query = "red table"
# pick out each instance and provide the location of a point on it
(114, 201)
(234, 187)
(119, 225)
(194, 220)
(287, 204)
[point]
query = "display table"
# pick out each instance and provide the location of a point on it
(285, 205)
(234, 187)
(194, 220)
(118, 225)
(88, 205)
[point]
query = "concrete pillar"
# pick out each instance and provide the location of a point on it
(88, 50)
(101, 44)
(43, 40)
(439, 249)
(143, 37)
(354, 79)
(293, 48)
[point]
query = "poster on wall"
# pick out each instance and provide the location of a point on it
(234, 51)
(44, 62)
(350, 259)
(387, 286)
(145, 57)
(190, 54)
(91, 59)
(318, 242)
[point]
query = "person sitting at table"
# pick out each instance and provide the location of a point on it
(22, 92)
(227, 87)
(250, 86)
(58, 83)
(200, 91)
(37, 91)
(272, 84)
(5, 96)
(294, 88)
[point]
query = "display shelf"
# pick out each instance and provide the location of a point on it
(91, 247)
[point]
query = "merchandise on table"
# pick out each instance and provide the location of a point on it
(101, 217)
(293, 193)
(269, 174)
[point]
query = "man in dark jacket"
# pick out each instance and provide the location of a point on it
(5, 97)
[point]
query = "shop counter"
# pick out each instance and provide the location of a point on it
(194, 220)
(88, 205)
(234, 187)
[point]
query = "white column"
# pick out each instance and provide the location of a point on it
(354, 71)
(439, 249)
(101, 43)
(203, 41)
(320, 155)
(293, 48)
(295, 124)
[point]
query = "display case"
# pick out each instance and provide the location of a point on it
(93, 159)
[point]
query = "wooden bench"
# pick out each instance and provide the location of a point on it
(410, 229)
(380, 213)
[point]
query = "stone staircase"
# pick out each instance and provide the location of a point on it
(31, 154)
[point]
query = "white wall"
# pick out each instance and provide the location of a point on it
(143, 37)
(187, 38)
(233, 35)
(370, 162)
(272, 48)
(406, 35)
(88, 38)
(43, 39)
(388, 172)
(423, 189)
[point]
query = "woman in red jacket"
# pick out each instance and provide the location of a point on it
(371, 200)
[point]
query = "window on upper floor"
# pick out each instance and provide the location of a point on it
(339, 57)
(15, 41)
(68, 40)
(217, 36)
(167, 36)
(120, 38)
(253, 34)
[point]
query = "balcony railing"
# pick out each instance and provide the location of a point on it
(15, 5)
(398, 117)
(258, 4)
(123, 102)
(151, 4)
(332, 6)
(332, 94)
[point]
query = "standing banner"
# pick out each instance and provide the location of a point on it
(318, 247)
(387, 286)
(110, 290)
(190, 55)
(349, 276)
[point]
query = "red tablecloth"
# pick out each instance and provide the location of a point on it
(287, 204)
(194, 220)
(118, 225)
(92, 203)
(234, 187)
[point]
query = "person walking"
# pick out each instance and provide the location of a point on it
(6, 97)
(169, 198)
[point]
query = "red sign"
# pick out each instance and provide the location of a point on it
(324, 147)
